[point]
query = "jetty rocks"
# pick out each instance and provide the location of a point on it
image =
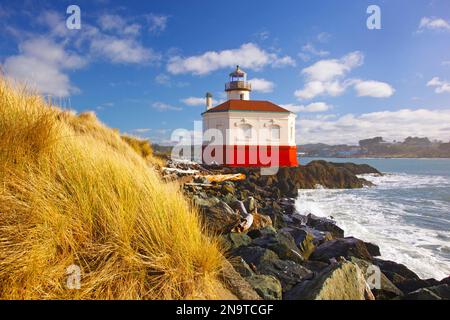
(274, 252)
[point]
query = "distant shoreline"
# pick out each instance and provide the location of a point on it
(399, 158)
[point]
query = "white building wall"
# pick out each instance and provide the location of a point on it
(260, 122)
(236, 95)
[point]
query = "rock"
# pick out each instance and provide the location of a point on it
(241, 266)
(382, 288)
(421, 294)
(268, 287)
(288, 272)
(236, 284)
(202, 200)
(315, 266)
(255, 255)
(324, 224)
(443, 291)
(303, 238)
(373, 249)
(235, 240)
(395, 272)
(410, 285)
(260, 221)
(220, 218)
(257, 233)
(282, 244)
(357, 168)
(340, 281)
(345, 247)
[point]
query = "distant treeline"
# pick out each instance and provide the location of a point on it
(411, 147)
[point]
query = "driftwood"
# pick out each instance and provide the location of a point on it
(247, 221)
(225, 177)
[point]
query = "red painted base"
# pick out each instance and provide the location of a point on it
(251, 156)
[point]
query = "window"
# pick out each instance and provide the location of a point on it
(242, 96)
(276, 132)
(245, 131)
(292, 132)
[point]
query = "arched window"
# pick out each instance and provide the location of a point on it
(245, 131)
(276, 132)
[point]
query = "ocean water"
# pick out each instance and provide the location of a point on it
(407, 213)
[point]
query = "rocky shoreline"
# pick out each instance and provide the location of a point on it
(276, 253)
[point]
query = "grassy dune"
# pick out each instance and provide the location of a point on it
(73, 192)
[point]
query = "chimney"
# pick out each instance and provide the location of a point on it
(208, 100)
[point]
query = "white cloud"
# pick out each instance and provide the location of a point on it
(392, 125)
(122, 50)
(141, 130)
(249, 56)
(323, 37)
(161, 106)
(196, 101)
(327, 77)
(375, 89)
(111, 22)
(42, 64)
(434, 23)
(326, 70)
(157, 23)
(312, 107)
(446, 63)
(262, 85)
(440, 86)
(310, 48)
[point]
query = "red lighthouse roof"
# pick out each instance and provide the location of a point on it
(247, 105)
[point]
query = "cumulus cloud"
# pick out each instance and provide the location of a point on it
(196, 101)
(326, 70)
(249, 56)
(262, 85)
(439, 85)
(161, 106)
(433, 23)
(43, 64)
(312, 107)
(392, 125)
(375, 89)
(328, 77)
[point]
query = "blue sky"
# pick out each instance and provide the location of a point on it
(145, 66)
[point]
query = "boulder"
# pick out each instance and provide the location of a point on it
(268, 287)
(257, 233)
(373, 249)
(236, 284)
(324, 224)
(260, 221)
(345, 247)
(410, 285)
(396, 272)
(382, 287)
(303, 238)
(241, 266)
(255, 256)
(288, 272)
(220, 218)
(422, 294)
(340, 281)
(235, 240)
(282, 244)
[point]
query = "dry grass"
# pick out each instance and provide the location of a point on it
(73, 192)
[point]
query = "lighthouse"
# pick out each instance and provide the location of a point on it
(247, 133)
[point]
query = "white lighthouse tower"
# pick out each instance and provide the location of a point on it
(238, 88)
